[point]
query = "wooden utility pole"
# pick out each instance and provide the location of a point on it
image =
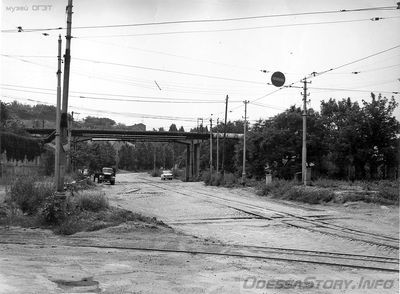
(244, 141)
(223, 142)
(64, 109)
(1, 130)
(69, 141)
(58, 182)
(154, 158)
(217, 147)
(304, 148)
(211, 159)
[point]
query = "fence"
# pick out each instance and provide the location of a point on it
(20, 167)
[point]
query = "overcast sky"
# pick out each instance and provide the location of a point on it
(198, 64)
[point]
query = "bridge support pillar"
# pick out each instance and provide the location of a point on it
(192, 161)
(188, 165)
(197, 160)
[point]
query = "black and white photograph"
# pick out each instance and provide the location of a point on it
(199, 146)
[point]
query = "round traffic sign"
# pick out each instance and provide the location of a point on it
(278, 79)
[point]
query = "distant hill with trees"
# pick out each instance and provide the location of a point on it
(44, 116)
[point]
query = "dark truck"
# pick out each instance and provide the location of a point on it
(107, 175)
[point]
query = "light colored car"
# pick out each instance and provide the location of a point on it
(166, 174)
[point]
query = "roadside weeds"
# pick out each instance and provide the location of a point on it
(31, 203)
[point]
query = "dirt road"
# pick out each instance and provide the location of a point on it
(220, 241)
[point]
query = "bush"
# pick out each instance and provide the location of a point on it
(69, 226)
(309, 195)
(382, 192)
(277, 188)
(229, 180)
(78, 176)
(55, 210)
(155, 173)
(327, 183)
(290, 190)
(389, 193)
(92, 201)
(206, 178)
(217, 179)
(29, 194)
(175, 173)
(84, 183)
(87, 211)
(179, 174)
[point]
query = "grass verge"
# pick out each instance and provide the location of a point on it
(84, 210)
(323, 191)
(228, 180)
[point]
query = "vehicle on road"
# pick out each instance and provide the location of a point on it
(167, 174)
(107, 175)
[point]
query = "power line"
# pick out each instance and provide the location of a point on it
(205, 20)
(354, 90)
(78, 73)
(166, 86)
(267, 106)
(131, 83)
(150, 99)
(29, 56)
(141, 67)
(170, 71)
(26, 87)
(128, 82)
(153, 101)
(259, 98)
(125, 114)
(366, 70)
(171, 54)
(26, 61)
(316, 74)
(231, 29)
(341, 89)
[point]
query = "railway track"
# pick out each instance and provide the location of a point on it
(364, 262)
(290, 219)
(323, 258)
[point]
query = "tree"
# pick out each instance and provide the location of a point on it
(277, 143)
(361, 140)
(4, 115)
(28, 112)
(380, 128)
(173, 128)
(126, 158)
(94, 155)
(230, 163)
(343, 123)
(98, 122)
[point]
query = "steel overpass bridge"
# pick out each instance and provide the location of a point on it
(191, 140)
